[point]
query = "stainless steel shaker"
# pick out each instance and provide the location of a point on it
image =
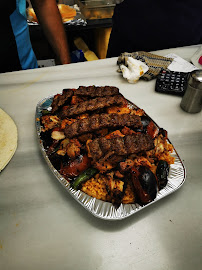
(192, 99)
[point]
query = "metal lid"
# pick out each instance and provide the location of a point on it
(195, 79)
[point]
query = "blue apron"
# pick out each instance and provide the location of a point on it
(18, 20)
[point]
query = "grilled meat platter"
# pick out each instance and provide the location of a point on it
(106, 147)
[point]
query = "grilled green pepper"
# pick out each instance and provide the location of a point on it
(90, 172)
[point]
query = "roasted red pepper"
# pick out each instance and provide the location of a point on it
(75, 167)
(145, 184)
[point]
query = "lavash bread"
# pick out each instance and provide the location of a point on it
(8, 139)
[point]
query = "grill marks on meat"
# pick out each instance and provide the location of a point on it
(97, 91)
(97, 122)
(60, 100)
(92, 105)
(89, 91)
(121, 146)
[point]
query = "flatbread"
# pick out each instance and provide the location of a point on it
(8, 139)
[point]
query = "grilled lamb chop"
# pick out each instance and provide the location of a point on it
(99, 121)
(92, 105)
(97, 91)
(102, 148)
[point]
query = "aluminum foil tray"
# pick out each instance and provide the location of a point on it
(106, 210)
(96, 9)
(79, 19)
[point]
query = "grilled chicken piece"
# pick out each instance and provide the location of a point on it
(73, 148)
(70, 147)
(129, 195)
(63, 147)
(67, 121)
(126, 165)
(108, 162)
(114, 134)
(128, 131)
(139, 112)
(119, 109)
(57, 134)
(115, 188)
(142, 161)
(49, 122)
(118, 174)
(104, 166)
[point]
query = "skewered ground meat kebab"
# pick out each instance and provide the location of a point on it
(121, 146)
(60, 100)
(96, 91)
(90, 91)
(92, 105)
(99, 121)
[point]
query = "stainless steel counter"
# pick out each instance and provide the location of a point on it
(43, 227)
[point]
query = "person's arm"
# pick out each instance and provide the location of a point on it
(50, 20)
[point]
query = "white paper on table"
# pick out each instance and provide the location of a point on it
(179, 64)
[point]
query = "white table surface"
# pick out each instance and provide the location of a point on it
(43, 227)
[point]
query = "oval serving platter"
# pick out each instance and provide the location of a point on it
(106, 210)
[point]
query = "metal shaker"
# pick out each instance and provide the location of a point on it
(192, 99)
